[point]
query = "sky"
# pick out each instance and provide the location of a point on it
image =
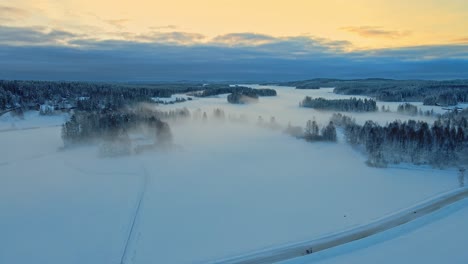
(233, 39)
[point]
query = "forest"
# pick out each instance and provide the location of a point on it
(83, 95)
(86, 96)
(408, 109)
(242, 97)
(346, 105)
(211, 91)
(443, 143)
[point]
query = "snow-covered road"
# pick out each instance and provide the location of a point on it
(393, 220)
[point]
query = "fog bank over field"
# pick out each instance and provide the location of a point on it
(285, 107)
(226, 187)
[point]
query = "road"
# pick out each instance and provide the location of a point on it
(401, 217)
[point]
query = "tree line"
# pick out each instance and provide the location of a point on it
(345, 105)
(86, 96)
(429, 92)
(212, 91)
(416, 142)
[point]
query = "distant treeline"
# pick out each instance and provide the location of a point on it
(84, 95)
(242, 97)
(97, 96)
(346, 105)
(212, 91)
(429, 92)
(417, 142)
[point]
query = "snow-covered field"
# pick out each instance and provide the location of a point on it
(228, 189)
(31, 120)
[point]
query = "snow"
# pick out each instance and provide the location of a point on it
(61, 207)
(173, 98)
(227, 189)
(31, 120)
(436, 238)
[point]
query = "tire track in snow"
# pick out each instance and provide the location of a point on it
(401, 217)
(130, 236)
(26, 128)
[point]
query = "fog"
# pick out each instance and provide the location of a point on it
(225, 188)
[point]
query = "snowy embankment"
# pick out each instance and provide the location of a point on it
(439, 237)
(308, 247)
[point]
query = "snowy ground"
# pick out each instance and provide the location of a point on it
(31, 120)
(61, 207)
(228, 189)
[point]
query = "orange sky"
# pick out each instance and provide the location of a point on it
(365, 23)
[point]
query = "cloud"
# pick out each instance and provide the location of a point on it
(167, 27)
(428, 52)
(292, 47)
(379, 32)
(461, 40)
(244, 39)
(42, 53)
(8, 13)
(118, 23)
(178, 38)
(114, 60)
(33, 36)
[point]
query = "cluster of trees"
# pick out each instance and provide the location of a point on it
(212, 91)
(112, 129)
(176, 101)
(272, 124)
(347, 105)
(311, 132)
(147, 110)
(447, 98)
(414, 142)
(9, 99)
(242, 98)
(429, 92)
(408, 109)
(88, 127)
(218, 113)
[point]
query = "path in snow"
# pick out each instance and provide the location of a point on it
(130, 236)
(308, 247)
